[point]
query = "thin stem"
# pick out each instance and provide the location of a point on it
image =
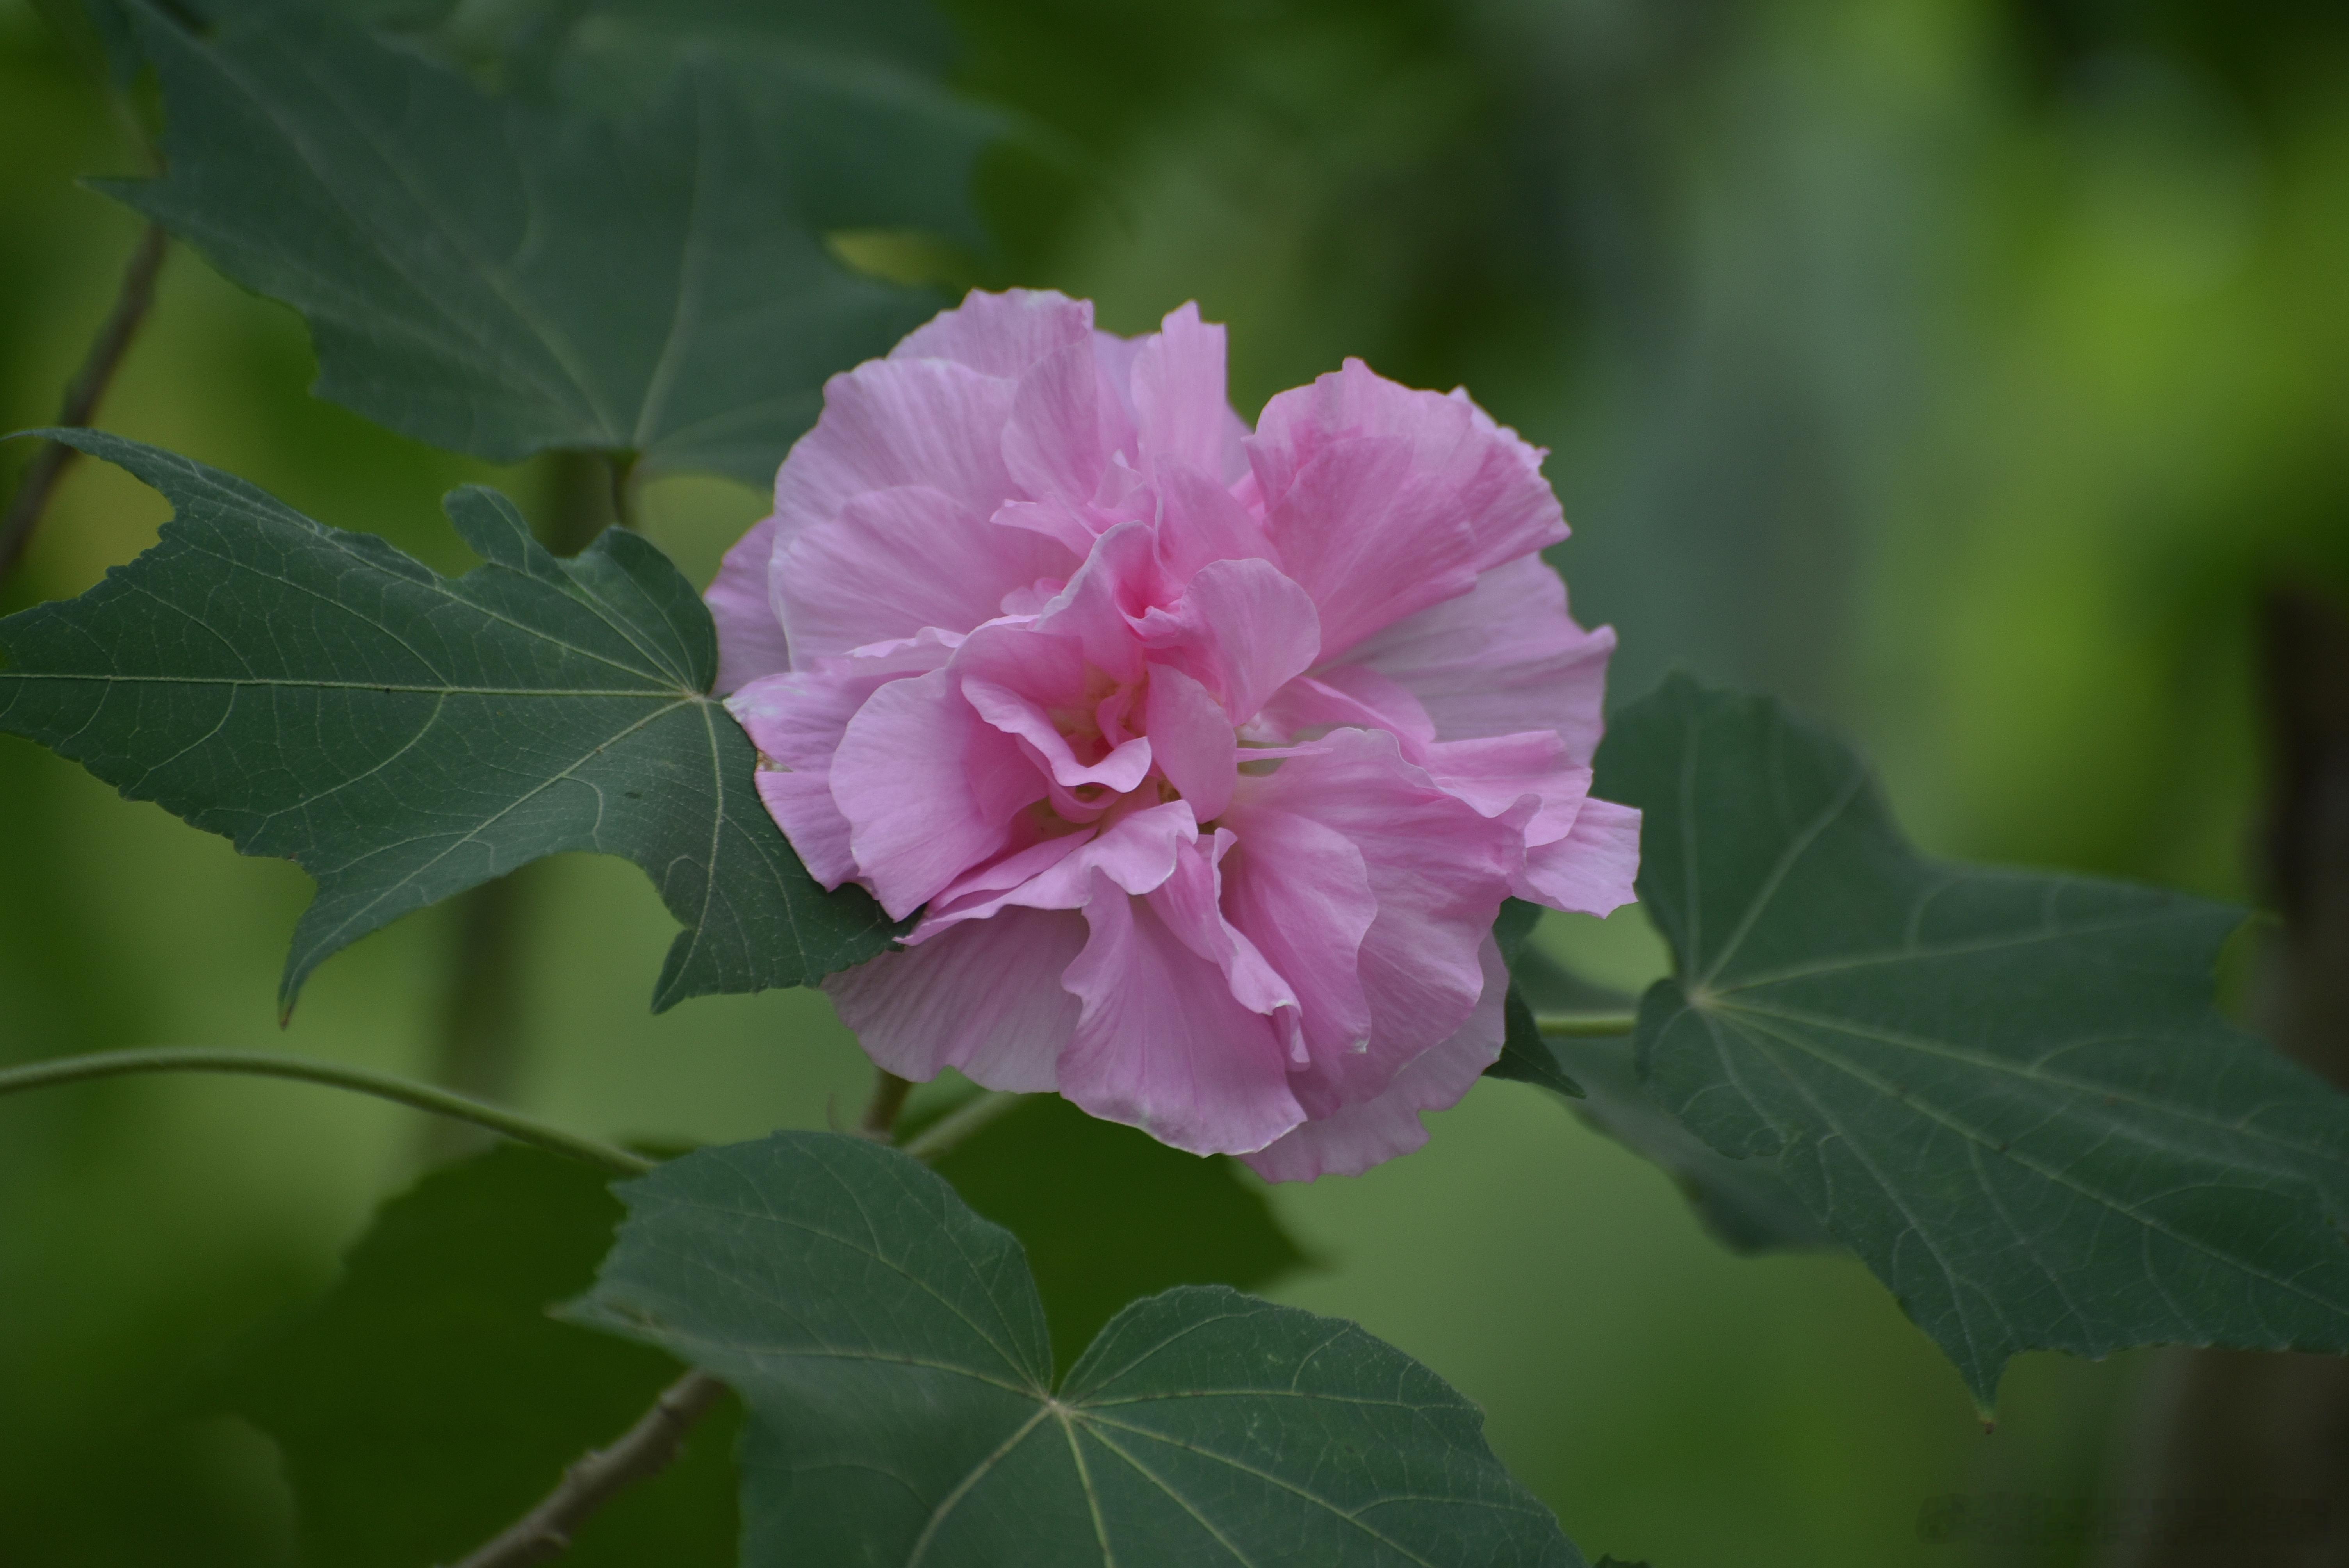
(382, 1086)
(477, 1050)
(643, 1451)
(82, 394)
(933, 1143)
(889, 1092)
(1584, 1026)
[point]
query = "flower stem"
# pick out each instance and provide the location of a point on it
(382, 1086)
(82, 394)
(889, 1092)
(932, 1141)
(1584, 1026)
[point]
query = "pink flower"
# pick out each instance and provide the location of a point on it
(1208, 756)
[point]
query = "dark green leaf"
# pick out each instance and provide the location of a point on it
(429, 1399)
(1745, 1203)
(495, 278)
(318, 695)
(2009, 1093)
(892, 1350)
(1526, 1056)
(1108, 1214)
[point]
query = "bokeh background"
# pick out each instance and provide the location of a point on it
(1960, 369)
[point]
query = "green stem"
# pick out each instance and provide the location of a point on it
(1584, 1026)
(382, 1086)
(932, 1141)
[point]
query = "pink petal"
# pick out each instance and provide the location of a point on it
(1200, 521)
(751, 641)
(1371, 538)
(1136, 851)
(1351, 1140)
(1192, 740)
(1190, 901)
(893, 422)
(1591, 870)
(1504, 656)
(1162, 1044)
(1351, 695)
(1181, 411)
(1491, 478)
(1497, 773)
(1014, 714)
(1241, 628)
(1438, 870)
(896, 560)
(1119, 580)
(796, 720)
(1000, 334)
(1301, 894)
(1052, 442)
(928, 788)
(984, 997)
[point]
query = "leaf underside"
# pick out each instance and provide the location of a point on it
(893, 1352)
(320, 696)
(1106, 1213)
(502, 279)
(2009, 1093)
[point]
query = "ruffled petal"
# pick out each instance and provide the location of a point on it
(751, 641)
(1182, 413)
(796, 720)
(1000, 334)
(928, 788)
(1438, 870)
(1052, 443)
(1502, 657)
(1301, 894)
(984, 998)
(896, 560)
(1490, 478)
(1591, 868)
(893, 422)
(1162, 1044)
(1370, 537)
(1192, 740)
(1137, 852)
(1369, 1133)
(1241, 628)
(1200, 521)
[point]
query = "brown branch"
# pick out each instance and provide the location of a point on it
(643, 1451)
(82, 394)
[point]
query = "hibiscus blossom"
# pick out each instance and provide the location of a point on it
(1207, 756)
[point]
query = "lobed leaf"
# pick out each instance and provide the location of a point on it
(1745, 1203)
(894, 1357)
(502, 279)
(2009, 1093)
(321, 696)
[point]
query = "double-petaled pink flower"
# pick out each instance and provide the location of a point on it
(1208, 756)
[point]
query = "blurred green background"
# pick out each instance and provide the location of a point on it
(1960, 369)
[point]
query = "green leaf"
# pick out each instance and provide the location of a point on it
(1746, 1205)
(1526, 1056)
(498, 279)
(893, 1352)
(428, 1399)
(2009, 1093)
(318, 695)
(1107, 1214)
